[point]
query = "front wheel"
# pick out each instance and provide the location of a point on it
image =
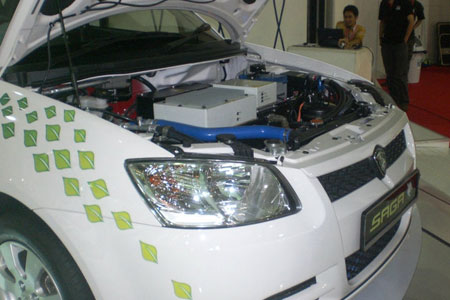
(34, 264)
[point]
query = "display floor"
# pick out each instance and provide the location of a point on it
(432, 277)
(429, 100)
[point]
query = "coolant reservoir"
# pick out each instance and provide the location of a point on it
(95, 105)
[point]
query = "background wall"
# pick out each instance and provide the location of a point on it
(295, 19)
(438, 11)
(293, 24)
(368, 17)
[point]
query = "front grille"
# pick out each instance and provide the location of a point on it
(356, 262)
(395, 148)
(342, 182)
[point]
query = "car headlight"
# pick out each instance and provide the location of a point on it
(212, 193)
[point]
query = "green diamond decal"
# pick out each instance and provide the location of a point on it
(52, 132)
(149, 252)
(99, 188)
(62, 159)
(71, 186)
(80, 135)
(23, 103)
(182, 290)
(86, 159)
(4, 99)
(69, 115)
(7, 111)
(8, 130)
(32, 117)
(94, 213)
(41, 162)
(50, 112)
(30, 138)
(123, 220)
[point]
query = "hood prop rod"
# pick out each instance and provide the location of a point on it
(66, 44)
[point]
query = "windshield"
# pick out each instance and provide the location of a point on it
(7, 8)
(127, 42)
(129, 35)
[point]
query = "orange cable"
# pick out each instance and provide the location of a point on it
(299, 118)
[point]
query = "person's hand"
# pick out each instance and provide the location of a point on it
(349, 46)
(342, 43)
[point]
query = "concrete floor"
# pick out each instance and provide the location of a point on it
(432, 277)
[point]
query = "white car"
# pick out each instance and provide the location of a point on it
(143, 156)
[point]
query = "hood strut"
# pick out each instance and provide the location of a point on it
(72, 73)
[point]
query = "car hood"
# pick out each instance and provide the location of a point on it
(29, 26)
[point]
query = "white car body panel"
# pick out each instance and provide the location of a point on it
(67, 217)
(102, 219)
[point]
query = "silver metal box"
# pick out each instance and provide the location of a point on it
(265, 91)
(210, 107)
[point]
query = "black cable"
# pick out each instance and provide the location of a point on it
(154, 20)
(278, 21)
(130, 109)
(160, 21)
(112, 114)
(200, 2)
(49, 57)
(113, 4)
(220, 30)
(72, 73)
(146, 83)
(373, 55)
(224, 73)
(49, 51)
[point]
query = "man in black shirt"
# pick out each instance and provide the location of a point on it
(396, 25)
(419, 16)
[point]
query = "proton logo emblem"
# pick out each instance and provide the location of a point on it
(380, 159)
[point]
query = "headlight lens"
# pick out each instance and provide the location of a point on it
(209, 193)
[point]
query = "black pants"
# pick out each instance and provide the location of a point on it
(396, 64)
(411, 43)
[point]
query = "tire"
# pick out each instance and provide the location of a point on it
(34, 264)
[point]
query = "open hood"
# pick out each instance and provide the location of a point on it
(30, 24)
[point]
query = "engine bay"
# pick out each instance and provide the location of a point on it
(248, 108)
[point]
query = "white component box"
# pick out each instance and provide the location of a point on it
(265, 91)
(210, 107)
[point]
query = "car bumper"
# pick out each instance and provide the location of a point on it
(241, 263)
(392, 279)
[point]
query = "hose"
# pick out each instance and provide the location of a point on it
(240, 132)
